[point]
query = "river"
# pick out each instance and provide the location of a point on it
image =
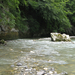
(38, 54)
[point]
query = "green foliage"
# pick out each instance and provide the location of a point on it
(21, 24)
(10, 14)
(53, 13)
(6, 17)
(39, 15)
(34, 25)
(71, 7)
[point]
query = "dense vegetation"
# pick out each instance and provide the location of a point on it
(39, 17)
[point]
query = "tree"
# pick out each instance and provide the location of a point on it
(70, 5)
(52, 13)
(39, 16)
(10, 14)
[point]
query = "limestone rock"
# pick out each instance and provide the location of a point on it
(8, 33)
(14, 30)
(60, 37)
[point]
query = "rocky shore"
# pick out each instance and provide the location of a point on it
(25, 70)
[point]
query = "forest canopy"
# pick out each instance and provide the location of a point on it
(38, 16)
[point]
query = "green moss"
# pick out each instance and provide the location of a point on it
(9, 35)
(2, 41)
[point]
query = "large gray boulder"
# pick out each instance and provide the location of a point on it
(60, 37)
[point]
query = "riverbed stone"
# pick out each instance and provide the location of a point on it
(64, 73)
(60, 37)
(12, 66)
(32, 71)
(19, 64)
(40, 72)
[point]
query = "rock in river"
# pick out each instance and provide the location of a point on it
(60, 37)
(19, 64)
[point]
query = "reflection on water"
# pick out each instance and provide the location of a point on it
(38, 53)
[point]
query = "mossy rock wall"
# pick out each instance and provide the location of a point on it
(9, 35)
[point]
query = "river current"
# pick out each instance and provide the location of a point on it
(37, 53)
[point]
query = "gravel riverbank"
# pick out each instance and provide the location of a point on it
(24, 70)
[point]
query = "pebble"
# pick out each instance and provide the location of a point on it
(50, 72)
(52, 69)
(55, 72)
(33, 71)
(32, 52)
(40, 72)
(64, 73)
(19, 64)
(12, 65)
(45, 69)
(15, 68)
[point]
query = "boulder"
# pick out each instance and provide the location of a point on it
(2, 41)
(60, 37)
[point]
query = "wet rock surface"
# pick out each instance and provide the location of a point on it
(60, 37)
(37, 57)
(38, 62)
(8, 33)
(24, 70)
(19, 64)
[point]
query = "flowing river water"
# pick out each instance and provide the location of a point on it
(38, 54)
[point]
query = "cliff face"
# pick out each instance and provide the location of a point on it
(7, 34)
(7, 23)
